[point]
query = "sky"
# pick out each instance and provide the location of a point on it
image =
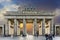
(12, 5)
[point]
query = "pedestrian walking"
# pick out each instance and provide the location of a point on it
(53, 35)
(46, 36)
(21, 33)
(37, 33)
(50, 37)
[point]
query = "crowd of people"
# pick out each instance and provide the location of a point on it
(49, 37)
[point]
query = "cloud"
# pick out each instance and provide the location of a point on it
(5, 1)
(4, 8)
(2, 11)
(12, 7)
(57, 11)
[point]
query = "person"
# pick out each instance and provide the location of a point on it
(46, 36)
(37, 33)
(53, 35)
(50, 37)
(21, 32)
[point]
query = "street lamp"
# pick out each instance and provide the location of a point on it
(21, 25)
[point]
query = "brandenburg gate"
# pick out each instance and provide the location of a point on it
(29, 21)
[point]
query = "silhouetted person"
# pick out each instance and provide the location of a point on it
(53, 35)
(46, 36)
(37, 33)
(21, 32)
(50, 37)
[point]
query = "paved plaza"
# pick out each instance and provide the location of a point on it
(29, 37)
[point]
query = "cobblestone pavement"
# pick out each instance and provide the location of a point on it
(30, 37)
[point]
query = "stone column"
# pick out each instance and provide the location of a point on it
(3, 30)
(51, 26)
(43, 27)
(6, 28)
(24, 27)
(15, 27)
(35, 26)
(18, 28)
(8, 25)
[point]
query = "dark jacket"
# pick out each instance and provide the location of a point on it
(46, 35)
